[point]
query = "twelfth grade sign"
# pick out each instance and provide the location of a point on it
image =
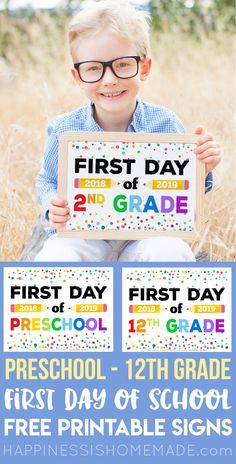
(130, 185)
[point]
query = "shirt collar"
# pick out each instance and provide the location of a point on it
(92, 125)
(138, 123)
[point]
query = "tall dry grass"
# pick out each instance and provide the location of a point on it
(195, 79)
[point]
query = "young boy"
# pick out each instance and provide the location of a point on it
(109, 45)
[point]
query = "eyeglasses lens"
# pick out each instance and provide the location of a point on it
(123, 68)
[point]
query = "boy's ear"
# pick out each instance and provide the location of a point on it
(75, 75)
(145, 68)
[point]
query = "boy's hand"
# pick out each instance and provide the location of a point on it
(207, 150)
(59, 213)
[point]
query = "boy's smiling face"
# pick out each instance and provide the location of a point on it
(114, 98)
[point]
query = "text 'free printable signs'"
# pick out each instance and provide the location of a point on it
(176, 309)
(58, 309)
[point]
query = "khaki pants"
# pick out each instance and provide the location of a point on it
(156, 249)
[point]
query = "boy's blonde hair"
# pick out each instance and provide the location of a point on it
(120, 17)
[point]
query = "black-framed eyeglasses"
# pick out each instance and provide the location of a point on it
(124, 67)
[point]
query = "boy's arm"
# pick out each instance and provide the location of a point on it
(55, 209)
(47, 177)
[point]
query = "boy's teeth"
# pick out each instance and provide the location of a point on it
(114, 94)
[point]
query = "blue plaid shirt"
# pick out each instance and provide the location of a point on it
(146, 118)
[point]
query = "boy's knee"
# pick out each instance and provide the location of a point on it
(71, 249)
(158, 249)
(168, 249)
(56, 251)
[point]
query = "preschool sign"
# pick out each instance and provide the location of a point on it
(129, 185)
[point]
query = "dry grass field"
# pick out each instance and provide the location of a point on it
(194, 78)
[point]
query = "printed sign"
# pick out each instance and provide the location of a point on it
(130, 186)
(171, 309)
(62, 309)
